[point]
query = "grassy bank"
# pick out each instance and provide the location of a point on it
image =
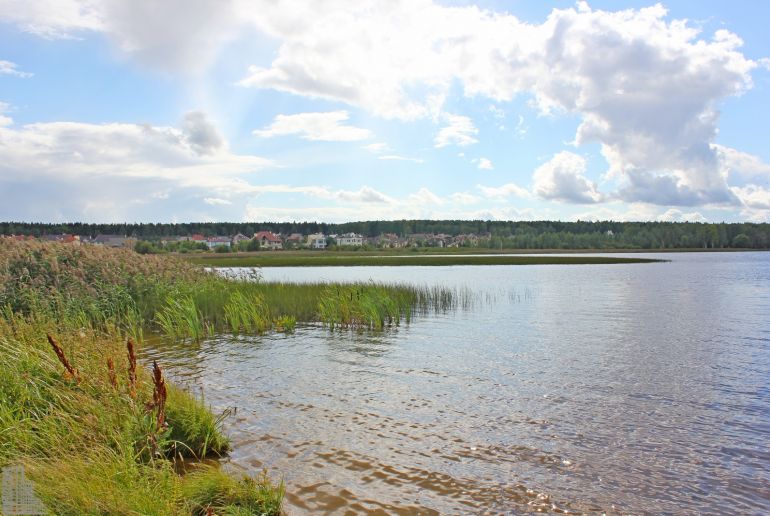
(329, 259)
(98, 435)
(94, 432)
(96, 439)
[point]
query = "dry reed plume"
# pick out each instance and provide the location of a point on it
(111, 373)
(131, 368)
(71, 371)
(159, 395)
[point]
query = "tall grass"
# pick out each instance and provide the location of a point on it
(91, 445)
(96, 434)
(123, 293)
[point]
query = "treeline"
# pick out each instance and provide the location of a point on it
(493, 234)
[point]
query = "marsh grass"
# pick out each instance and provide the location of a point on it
(92, 447)
(180, 318)
(247, 313)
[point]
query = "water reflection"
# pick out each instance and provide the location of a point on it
(621, 388)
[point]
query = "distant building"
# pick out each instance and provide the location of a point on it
(113, 241)
(316, 241)
(294, 240)
(218, 241)
(352, 239)
(237, 239)
(268, 240)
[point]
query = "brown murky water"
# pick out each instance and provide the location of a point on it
(618, 389)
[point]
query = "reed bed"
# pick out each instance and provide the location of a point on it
(121, 292)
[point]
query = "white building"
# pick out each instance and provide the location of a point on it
(316, 241)
(350, 239)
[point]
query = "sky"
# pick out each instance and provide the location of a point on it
(337, 110)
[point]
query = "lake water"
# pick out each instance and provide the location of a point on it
(640, 388)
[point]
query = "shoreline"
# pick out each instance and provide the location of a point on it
(276, 259)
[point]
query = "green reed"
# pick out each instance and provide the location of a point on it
(83, 437)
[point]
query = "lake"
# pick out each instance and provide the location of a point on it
(614, 388)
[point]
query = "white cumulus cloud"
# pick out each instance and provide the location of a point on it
(458, 131)
(81, 171)
(563, 179)
(503, 191)
(485, 164)
(10, 68)
(327, 127)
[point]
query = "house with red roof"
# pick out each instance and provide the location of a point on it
(268, 240)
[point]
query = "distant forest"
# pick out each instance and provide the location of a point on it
(492, 234)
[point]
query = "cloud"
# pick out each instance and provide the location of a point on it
(176, 36)
(327, 127)
(377, 148)
(102, 172)
(9, 68)
(741, 164)
(646, 88)
(635, 212)
(753, 196)
(201, 134)
(674, 215)
(141, 29)
(5, 120)
(563, 179)
(464, 198)
(216, 201)
(485, 164)
(424, 196)
(501, 192)
(396, 157)
(54, 19)
(459, 131)
(364, 195)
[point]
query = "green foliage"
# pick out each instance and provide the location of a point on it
(180, 318)
(493, 234)
(145, 247)
(247, 313)
(86, 441)
(213, 489)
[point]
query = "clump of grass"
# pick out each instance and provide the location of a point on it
(180, 318)
(247, 313)
(212, 491)
(285, 324)
(362, 306)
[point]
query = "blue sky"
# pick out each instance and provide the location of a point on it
(351, 110)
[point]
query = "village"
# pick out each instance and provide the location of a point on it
(263, 241)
